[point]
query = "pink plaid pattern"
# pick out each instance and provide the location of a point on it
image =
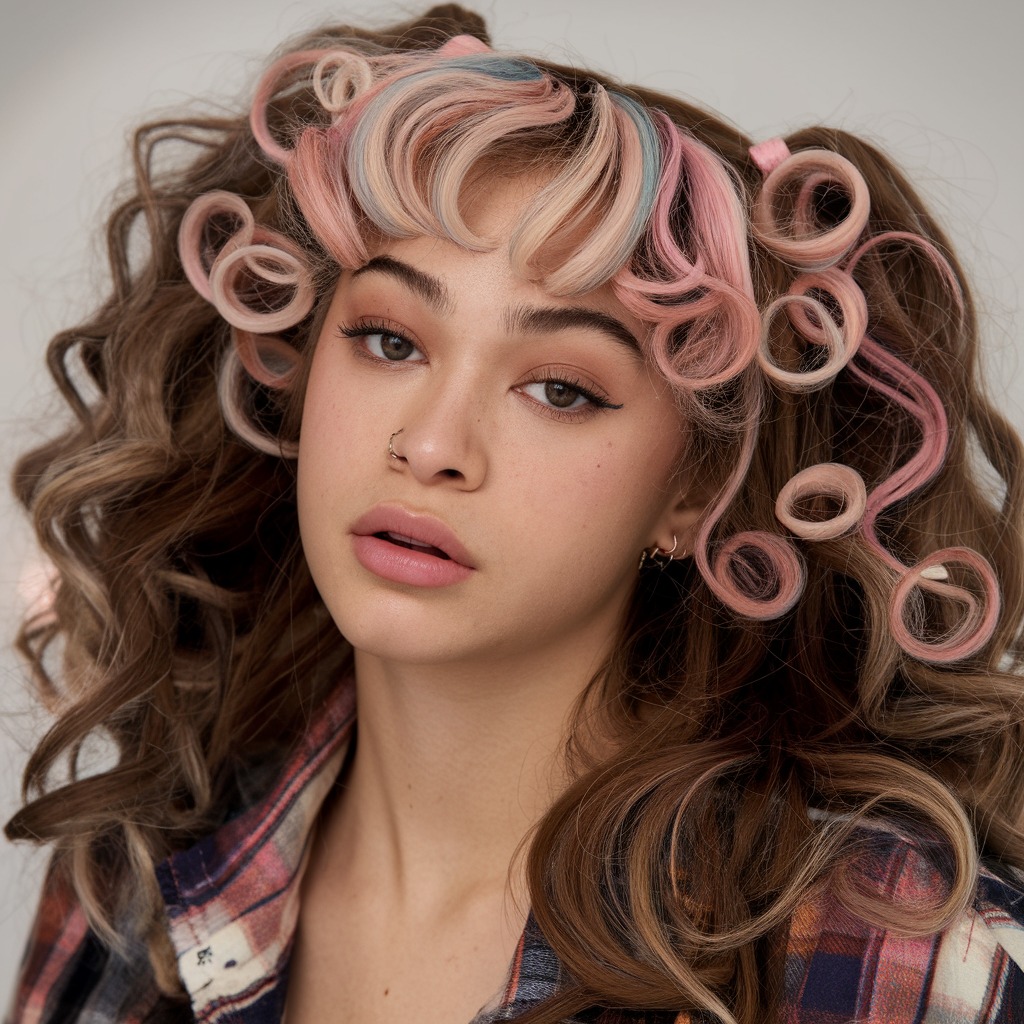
(232, 906)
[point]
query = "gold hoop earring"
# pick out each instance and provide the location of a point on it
(659, 556)
(669, 554)
(391, 444)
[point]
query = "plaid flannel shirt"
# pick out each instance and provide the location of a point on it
(232, 907)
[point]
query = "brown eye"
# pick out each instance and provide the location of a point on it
(390, 346)
(560, 394)
(565, 397)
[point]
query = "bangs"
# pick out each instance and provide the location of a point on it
(404, 154)
(403, 143)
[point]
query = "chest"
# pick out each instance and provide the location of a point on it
(354, 962)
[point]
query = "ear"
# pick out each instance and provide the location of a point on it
(676, 530)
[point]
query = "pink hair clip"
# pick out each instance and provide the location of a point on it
(463, 46)
(769, 154)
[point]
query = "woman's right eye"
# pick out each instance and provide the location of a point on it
(391, 346)
(383, 344)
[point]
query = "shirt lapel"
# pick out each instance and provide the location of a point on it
(232, 900)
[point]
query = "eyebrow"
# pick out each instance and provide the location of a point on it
(520, 319)
(540, 319)
(430, 289)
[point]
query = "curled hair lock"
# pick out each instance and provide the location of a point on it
(259, 283)
(402, 134)
(826, 258)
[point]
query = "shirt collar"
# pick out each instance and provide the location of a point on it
(232, 900)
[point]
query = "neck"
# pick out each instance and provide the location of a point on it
(453, 766)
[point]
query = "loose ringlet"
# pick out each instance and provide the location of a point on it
(827, 258)
(799, 239)
(262, 255)
(759, 750)
(402, 137)
(827, 479)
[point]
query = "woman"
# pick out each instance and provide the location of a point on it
(624, 475)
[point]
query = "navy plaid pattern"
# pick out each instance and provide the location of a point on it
(232, 907)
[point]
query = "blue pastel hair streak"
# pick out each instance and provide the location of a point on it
(650, 150)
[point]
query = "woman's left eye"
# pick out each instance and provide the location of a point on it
(392, 347)
(561, 396)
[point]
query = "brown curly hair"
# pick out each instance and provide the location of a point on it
(190, 636)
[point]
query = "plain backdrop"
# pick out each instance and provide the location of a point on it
(939, 83)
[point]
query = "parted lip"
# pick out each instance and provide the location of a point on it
(417, 525)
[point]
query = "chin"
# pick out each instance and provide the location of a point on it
(392, 632)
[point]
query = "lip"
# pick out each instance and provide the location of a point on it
(406, 565)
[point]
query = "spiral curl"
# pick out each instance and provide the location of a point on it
(403, 135)
(250, 253)
(820, 256)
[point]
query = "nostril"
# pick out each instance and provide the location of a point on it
(451, 473)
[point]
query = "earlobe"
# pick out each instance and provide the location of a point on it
(676, 534)
(679, 526)
(661, 556)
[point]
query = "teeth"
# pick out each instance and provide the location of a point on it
(409, 540)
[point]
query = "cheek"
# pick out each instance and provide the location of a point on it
(334, 419)
(608, 497)
(329, 445)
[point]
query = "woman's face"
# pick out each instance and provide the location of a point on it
(536, 450)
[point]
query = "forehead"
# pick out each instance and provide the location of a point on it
(493, 205)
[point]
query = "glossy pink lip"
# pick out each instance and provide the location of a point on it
(401, 564)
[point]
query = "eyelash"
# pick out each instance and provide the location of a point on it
(595, 401)
(367, 328)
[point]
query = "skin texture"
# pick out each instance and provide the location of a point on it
(464, 691)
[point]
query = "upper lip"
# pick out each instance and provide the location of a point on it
(417, 525)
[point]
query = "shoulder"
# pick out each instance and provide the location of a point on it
(840, 968)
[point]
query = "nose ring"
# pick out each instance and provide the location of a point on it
(391, 445)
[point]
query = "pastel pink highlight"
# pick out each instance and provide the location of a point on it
(811, 248)
(821, 253)
(814, 323)
(980, 613)
(233, 383)
(339, 77)
(757, 574)
(402, 136)
(463, 46)
(769, 154)
(261, 255)
(930, 250)
(917, 397)
(722, 324)
(269, 85)
(827, 479)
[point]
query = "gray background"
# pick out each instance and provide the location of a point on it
(939, 83)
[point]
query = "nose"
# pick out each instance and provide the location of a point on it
(440, 440)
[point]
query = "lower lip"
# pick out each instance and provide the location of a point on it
(406, 565)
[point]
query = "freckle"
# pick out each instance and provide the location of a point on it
(386, 991)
